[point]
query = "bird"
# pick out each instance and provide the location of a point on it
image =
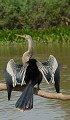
(31, 71)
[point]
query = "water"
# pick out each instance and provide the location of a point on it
(44, 109)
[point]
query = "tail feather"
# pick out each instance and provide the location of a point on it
(26, 99)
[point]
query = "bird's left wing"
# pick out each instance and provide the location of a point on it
(16, 72)
(48, 68)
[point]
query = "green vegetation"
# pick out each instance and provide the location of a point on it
(45, 20)
(34, 14)
(50, 35)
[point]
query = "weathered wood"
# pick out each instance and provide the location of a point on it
(41, 93)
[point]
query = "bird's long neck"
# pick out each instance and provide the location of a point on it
(30, 45)
(28, 54)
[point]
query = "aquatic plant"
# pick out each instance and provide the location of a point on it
(50, 35)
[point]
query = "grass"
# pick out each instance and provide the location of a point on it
(49, 36)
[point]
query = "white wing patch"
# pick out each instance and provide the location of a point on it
(53, 64)
(42, 69)
(11, 69)
(24, 72)
(49, 67)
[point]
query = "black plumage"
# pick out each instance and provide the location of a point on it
(32, 77)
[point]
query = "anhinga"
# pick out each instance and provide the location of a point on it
(32, 72)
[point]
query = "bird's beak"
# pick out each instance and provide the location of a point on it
(22, 36)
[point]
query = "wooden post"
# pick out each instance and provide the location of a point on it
(41, 93)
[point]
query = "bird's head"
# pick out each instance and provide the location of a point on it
(25, 36)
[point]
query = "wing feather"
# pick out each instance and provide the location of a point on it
(48, 68)
(51, 65)
(17, 72)
(11, 69)
(42, 70)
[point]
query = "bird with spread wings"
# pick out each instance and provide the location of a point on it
(32, 72)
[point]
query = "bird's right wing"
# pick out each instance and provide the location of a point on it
(48, 68)
(51, 65)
